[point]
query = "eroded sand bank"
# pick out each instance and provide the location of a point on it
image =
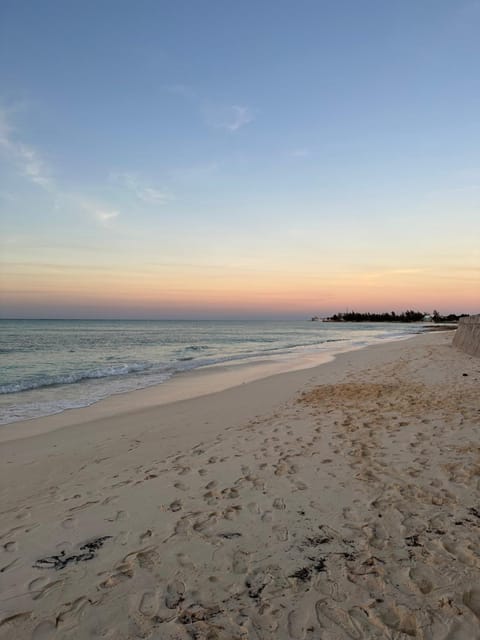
(335, 502)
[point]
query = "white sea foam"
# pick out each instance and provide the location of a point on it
(51, 366)
(49, 381)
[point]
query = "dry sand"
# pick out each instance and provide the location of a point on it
(331, 503)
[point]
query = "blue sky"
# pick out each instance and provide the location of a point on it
(174, 145)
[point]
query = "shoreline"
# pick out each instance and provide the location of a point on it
(182, 386)
(337, 501)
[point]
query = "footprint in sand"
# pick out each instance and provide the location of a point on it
(70, 613)
(197, 451)
(181, 485)
(301, 486)
(360, 618)
(122, 483)
(333, 617)
(460, 631)
(23, 515)
(176, 505)
(264, 624)
(281, 469)
(183, 527)
(11, 546)
(122, 573)
(174, 594)
(203, 525)
(471, 599)
(463, 555)
(70, 523)
(422, 578)
(258, 580)
(41, 587)
(122, 537)
(6, 567)
(211, 497)
(397, 618)
(85, 505)
(298, 623)
(230, 513)
(119, 515)
(183, 471)
(146, 558)
(258, 484)
(230, 493)
(240, 562)
(328, 588)
(149, 604)
(44, 631)
(145, 535)
(378, 537)
(184, 561)
(281, 533)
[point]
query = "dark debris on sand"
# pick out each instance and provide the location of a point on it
(61, 560)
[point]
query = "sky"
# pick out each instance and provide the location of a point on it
(220, 159)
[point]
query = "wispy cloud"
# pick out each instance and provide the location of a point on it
(99, 212)
(142, 190)
(230, 118)
(240, 116)
(5, 128)
(26, 158)
(105, 217)
(32, 166)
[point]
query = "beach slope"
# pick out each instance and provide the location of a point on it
(337, 502)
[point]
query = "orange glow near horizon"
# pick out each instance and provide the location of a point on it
(232, 292)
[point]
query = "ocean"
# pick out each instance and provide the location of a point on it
(48, 366)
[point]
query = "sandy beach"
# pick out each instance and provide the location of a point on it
(335, 502)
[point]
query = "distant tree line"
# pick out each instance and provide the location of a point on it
(405, 316)
(452, 317)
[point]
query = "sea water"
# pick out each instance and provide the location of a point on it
(47, 366)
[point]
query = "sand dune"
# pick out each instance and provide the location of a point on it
(342, 502)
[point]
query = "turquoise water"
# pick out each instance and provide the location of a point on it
(48, 366)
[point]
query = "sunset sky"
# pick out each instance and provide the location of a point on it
(210, 159)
